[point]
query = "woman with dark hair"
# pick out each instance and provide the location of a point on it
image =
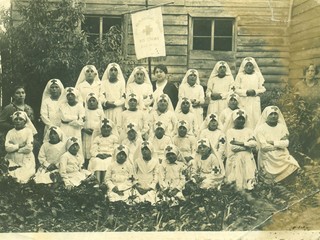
(163, 86)
(309, 87)
(17, 104)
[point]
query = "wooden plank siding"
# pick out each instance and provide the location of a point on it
(261, 31)
(304, 37)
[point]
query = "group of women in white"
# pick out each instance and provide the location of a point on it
(132, 138)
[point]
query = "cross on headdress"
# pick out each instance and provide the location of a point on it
(169, 148)
(222, 63)
(213, 117)
(105, 121)
(139, 69)
(121, 147)
(53, 81)
(184, 99)
(145, 143)
(216, 170)
(222, 140)
(74, 139)
(113, 65)
(91, 94)
(70, 90)
(248, 59)
(202, 142)
(240, 112)
(163, 96)
(159, 124)
(233, 95)
(274, 108)
(18, 113)
(233, 88)
(132, 95)
(192, 72)
(123, 95)
(130, 125)
(182, 122)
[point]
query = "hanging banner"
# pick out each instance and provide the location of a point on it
(148, 34)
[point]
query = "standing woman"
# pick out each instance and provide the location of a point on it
(219, 86)
(163, 86)
(88, 82)
(248, 85)
(113, 88)
(17, 104)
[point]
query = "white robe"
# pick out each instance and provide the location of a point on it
(49, 113)
(274, 160)
(85, 88)
(23, 156)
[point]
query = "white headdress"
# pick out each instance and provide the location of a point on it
(24, 116)
(215, 70)
(255, 67)
(166, 97)
(82, 76)
(131, 78)
(267, 111)
(106, 75)
(46, 93)
(189, 72)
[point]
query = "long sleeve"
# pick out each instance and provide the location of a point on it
(63, 166)
(29, 144)
(42, 157)
(121, 101)
(108, 178)
(261, 88)
(237, 84)
(95, 147)
(9, 146)
(44, 114)
(281, 143)
(155, 179)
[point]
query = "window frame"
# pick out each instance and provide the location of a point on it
(213, 19)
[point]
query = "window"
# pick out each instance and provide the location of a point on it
(97, 26)
(215, 34)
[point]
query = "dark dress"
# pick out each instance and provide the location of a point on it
(171, 90)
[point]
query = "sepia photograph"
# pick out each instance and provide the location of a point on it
(183, 119)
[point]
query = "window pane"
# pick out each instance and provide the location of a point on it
(202, 27)
(223, 27)
(201, 43)
(109, 22)
(223, 44)
(91, 24)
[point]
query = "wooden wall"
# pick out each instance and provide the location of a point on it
(304, 37)
(260, 27)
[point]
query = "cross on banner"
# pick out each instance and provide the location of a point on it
(147, 30)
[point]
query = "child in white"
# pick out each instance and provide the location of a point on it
(139, 83)
(219, 86)
(171, 178)
(233, 101)
(70, 167)
(49, 155)
(49, 111)
(19, 145)
(146, 169)
(72, 113)
(102, 148)
(211, 129)
(249, 84)
(190, 88)
(88, 82)
(133, 140)
(160, 140)
(163, 111)
(120, 176)
(207, 169)
(94, 116)
(184, 111)
(272, 136)
(185, 141)
(240, 164)
(113, 88)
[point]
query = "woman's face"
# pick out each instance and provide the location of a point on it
(132, 134)
(192, 79)
(92, 103)
(55, 91)
(239, 122)
(213, 125)
(171, 157)
(311, 72)
(19, 95)
(185, 106)
(162, 105)
(121, 157)
(90, 74)
(222, 71)
(146, 153)
(71, 98)
(182, 131)
(54, 137)
(203, 150)
(106, 130)
(132, 103)
(273, 118)
(248, 68)
(233, 103)
(159, 132)
(74, 148)
(160, 75)
(113, 74)
(139, 77)
(19, 123)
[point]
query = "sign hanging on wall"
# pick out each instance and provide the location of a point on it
(148, 34)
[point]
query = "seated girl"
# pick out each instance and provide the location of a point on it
(134, 114)
(190, 88)
(133, 140)
(233, 104)
(240, 164)
(211, 130)
(272, 135)
(146, 169)
(171, 178)
(19, 145)
(184, 111)
(163, 111)
(207, 169)
(70, 166)
(184, 141)
(94, 115)
(160, 140)
(49, 155)
(103, 145)
(119, 176)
